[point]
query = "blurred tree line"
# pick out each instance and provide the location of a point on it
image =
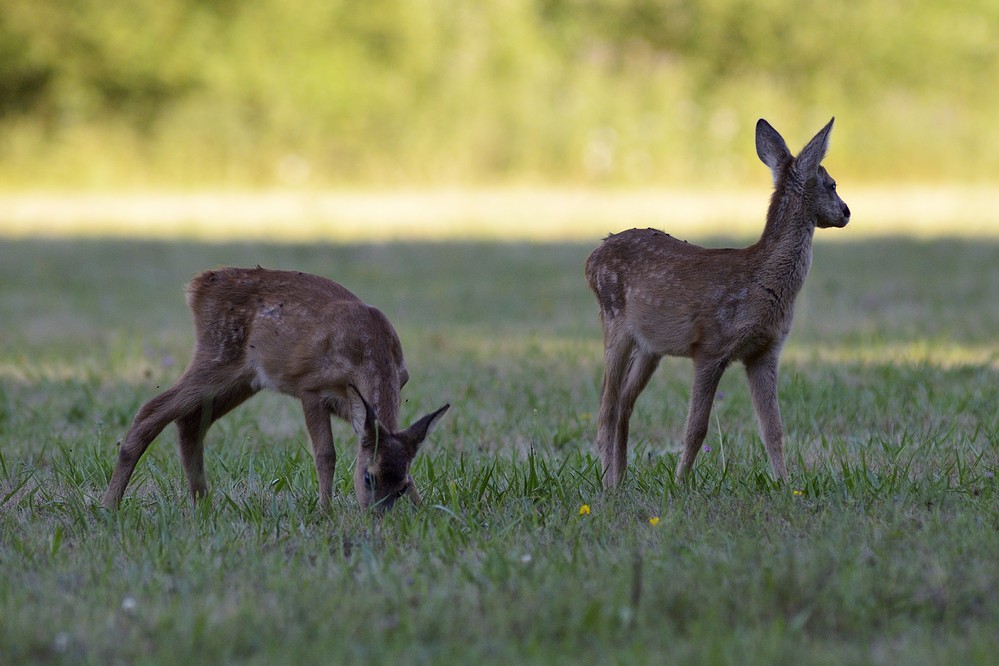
(390, 92)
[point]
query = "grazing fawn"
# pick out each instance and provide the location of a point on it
(302, 335)
(662, 296)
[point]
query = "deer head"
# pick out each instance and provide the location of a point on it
(804, 173)
(381, 475)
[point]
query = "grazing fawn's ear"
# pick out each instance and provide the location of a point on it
(812, 155)
(771, 148)
(414, 435)
(362, 417)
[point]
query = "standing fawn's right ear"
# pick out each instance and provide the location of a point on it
(771, 148)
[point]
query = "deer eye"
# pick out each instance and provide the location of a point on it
(369, 482)
(832, 186)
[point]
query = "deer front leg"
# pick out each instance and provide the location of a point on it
(706, 377)
(317, 420)
(762, 376)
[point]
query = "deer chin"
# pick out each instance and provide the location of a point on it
(838, 224)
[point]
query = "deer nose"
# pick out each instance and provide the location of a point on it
(846, 211)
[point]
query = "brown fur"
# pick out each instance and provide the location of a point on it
(302, 335)
(660, 296)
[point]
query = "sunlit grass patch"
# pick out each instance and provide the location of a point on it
(521, 214)
(943, 354)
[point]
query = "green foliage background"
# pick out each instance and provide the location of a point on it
(414, 92)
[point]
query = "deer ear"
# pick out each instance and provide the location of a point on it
(771, 148)
(811, 155)
(362, 417)
(414, 435)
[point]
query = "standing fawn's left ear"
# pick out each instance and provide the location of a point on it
(414, 435)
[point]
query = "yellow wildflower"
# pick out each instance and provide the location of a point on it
(584, 510)
(654, 520)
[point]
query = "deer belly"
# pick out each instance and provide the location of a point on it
(668, 336)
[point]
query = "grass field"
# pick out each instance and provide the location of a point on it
(882, 550)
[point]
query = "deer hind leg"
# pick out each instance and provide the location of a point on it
(616, 355)
(193, 426)
(179, 401)
(762, 376)
(148, 423)
(317, 420)
(641, 365)
(702, 395)
(627, 369)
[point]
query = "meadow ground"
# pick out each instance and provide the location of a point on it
(882, 549)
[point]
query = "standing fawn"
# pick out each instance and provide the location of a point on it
(302, 335)
(661, 296)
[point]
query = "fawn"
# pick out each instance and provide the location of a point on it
(662, 296)
(302, 335)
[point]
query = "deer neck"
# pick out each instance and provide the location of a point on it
(784, 250)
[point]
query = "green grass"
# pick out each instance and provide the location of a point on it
(883, 550)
